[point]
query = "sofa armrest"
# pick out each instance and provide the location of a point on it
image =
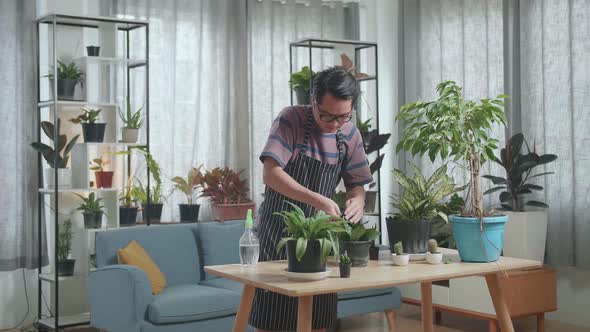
(118, 297)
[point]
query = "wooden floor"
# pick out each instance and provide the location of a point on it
(409, 321)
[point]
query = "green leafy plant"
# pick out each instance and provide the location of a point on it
(98, 164)
(320, 227)
(442, 231)
(67, 72)
(432, 246)
(225, 186)
(135, 190)
(358, 232)
(345, 259)
(519, 171)
(64, 240)
(55, 159)
(398, 248)
(132, 120)
(90, 115)
(363, 127)
(188, 185)
(422, 199)
(340, 199)
(91, 204)
(300, 79)
(453, 127)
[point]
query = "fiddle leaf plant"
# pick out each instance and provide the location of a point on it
(453, 127)
(519, 172)
(188, 185)
(59, 158)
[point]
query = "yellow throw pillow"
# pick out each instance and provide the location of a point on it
(134, 254)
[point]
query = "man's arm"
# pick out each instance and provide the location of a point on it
(355, 203)
(277, 179)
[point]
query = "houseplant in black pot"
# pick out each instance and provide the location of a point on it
(419, 205)
(132, 121)
(300, 83)
(56, 159)
(189, 212)
(104, 179)
(92, 210)
(228, 194)
(68, 76)
(310, 240)
(356, 240)
(372, 142)
(345, 265)
(453, 127)
(93, 50)
(127, 208)
(92, 131)
(65, 265)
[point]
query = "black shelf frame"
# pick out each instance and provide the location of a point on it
(56, 20)
(331, 44)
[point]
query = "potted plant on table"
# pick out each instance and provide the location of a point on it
(93, 132)
(92, 210)
(56, 160)
(418, 206)
(104, 179)
(227, 192)
(453, 127)
(68, 76)
(433, 255)
(345, 265)
(300, 83)
(372, 142)
(526, 232)
(65, 265)
(189, 212)
(133, 121)
(355, 239)
(399, 257)
(310, 240)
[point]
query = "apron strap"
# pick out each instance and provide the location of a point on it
(340, 145)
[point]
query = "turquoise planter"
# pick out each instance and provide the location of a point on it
(477, 246)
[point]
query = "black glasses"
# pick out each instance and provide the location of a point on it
(329, 117)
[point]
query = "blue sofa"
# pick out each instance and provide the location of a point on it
(120, 296)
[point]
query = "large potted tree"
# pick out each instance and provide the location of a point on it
(65, 265)
(418, 206)
(189, 212)
(356, 240)
(526, 232)
(228, 194)
(299, 82)
(56, 159)
(93, 132)
(456, 128)
(310, 240)
(133, 121)
(68, 76)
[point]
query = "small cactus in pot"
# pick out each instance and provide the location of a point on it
(433, 256)
(399, 257)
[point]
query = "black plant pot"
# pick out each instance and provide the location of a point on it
(345, 270)
(93, 50)
(374, 253)
(93, 132)
(154, 211)
(302, 96)
(358, 251)
(92, 220)
(127, 216)
(414, 235)
(370, 201)
(66, 88)
(311, 260)
(66, 268)
(189, 212)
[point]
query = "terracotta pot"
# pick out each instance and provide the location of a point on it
(223, 212)
(104, 179)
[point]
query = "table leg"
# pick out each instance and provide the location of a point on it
(304, 313)
(541, 322)
(426, 288)
(502, 313)
(391, 318)
(241, 322)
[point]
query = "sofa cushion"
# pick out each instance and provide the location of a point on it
(185, 303)
(219, 243)
(364, 293)
(231, 285)
(134, 254)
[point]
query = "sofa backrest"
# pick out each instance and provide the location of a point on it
(219, 243)
(172, 247)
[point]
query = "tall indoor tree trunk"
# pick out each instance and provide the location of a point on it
(476, 197)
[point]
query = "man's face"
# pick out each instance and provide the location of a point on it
(330, 108)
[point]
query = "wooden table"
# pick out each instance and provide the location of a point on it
(378, 274)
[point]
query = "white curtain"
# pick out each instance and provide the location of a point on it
(198, 86)
(272, 26)
(555, 114)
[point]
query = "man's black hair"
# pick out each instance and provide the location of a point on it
(336, 81)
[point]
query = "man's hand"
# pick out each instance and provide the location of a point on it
(354, 209)
(327, 205)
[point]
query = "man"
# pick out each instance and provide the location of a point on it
(309, 149)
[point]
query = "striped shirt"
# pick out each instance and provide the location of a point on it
(286, 140)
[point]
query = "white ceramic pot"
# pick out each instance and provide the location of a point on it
(525, 234)
(400, 260)
(435, 258)
(129, 135)
(64, 176)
